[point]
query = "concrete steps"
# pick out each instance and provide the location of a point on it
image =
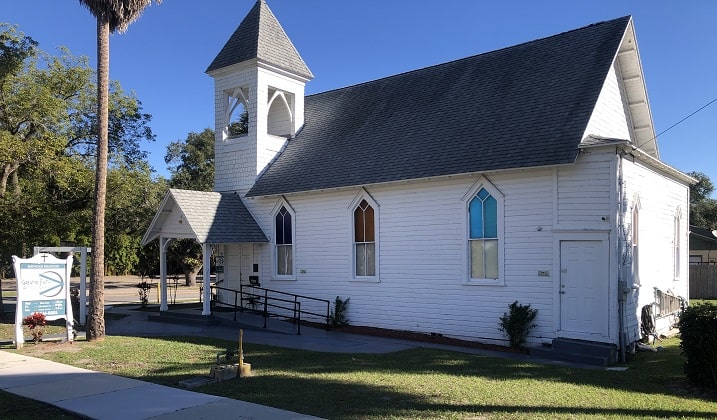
(578, 351)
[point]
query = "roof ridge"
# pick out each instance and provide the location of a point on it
(523, 106)
(470, 57)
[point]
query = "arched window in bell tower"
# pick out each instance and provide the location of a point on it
(236, 117)
(280, 121)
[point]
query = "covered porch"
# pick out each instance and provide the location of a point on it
(212, 219)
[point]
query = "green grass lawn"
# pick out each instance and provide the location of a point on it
(701, 301)
(418, 383)
(19, 408)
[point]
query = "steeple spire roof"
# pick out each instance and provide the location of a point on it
(260, 36)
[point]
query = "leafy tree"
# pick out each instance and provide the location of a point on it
(237, 128)
(111, 15)
(704, 214)
(128, 127)
(191, 162)
(36, 97)
(702, 189)
(15, 47)
(36, 93)
(703, 209)
(187, 254)
(148, 264)
(45, 105)
(133, 198)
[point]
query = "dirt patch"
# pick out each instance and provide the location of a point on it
(50, 347)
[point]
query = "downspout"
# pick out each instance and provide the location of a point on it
(622, 249)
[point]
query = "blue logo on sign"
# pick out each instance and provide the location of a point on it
(52, 282)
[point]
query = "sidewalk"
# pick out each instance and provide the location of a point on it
(104, 396)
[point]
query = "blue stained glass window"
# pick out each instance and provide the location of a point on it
(483, 211)
(490, 217)
(476, 218)
(483, 235)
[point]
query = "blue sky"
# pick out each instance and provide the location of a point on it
(163, 55)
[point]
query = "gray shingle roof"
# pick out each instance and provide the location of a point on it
(261, 36)
(522, 106)
(213, 217)
(703, 233)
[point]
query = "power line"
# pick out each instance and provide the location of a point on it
(682, 120)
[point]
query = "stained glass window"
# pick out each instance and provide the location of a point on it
(284, 243)
(364, 240)
(483, 235)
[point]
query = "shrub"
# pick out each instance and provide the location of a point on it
(517, 323)
(35, 323)
(698, 332)
(338, 313)
(144, 288)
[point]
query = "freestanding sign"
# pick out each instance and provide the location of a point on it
(43, 285)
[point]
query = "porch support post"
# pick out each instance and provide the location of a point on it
(206, 304)
(163, 244)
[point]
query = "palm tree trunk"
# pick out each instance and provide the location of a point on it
(96, 315)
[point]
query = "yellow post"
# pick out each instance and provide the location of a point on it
(159, 286)
(241, 350)
(244, 368)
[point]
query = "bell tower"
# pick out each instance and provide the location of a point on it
(260, 72)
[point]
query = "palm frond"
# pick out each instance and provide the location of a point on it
(119, 13)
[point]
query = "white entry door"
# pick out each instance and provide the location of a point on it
(584, 310)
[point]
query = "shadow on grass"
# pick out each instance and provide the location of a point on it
(432, 383)
(412, 383)
(338, 399)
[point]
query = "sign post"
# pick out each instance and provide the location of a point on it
(43, 285)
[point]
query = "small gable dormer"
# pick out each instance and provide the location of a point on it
(259, 80)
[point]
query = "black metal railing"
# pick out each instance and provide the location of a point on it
(271, 303)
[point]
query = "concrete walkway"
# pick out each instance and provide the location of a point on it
(104, 396)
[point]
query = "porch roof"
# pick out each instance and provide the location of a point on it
(207, 217)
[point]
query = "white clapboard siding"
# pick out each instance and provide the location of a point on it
(423, 261)
(660, 199)
(609, 118)
(585, 191)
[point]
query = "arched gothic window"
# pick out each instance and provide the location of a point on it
(364, 240)
(284, 242)
(483, 236)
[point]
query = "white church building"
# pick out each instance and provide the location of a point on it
(435, 198)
